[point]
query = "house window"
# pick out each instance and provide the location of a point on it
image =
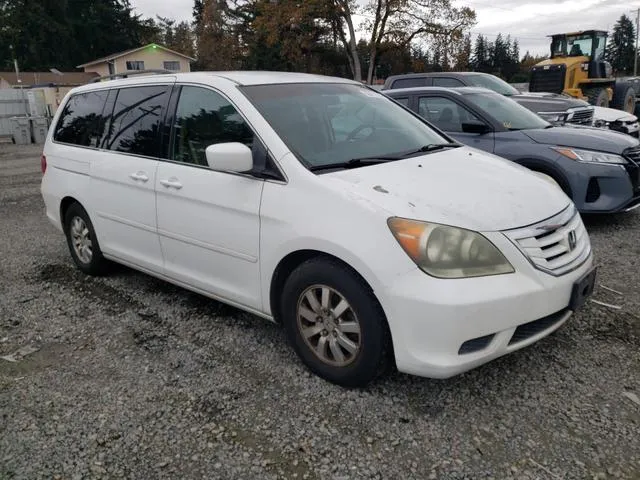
(174, 66)
(112, 67)
(135, 65)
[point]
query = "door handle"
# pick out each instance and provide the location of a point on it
(171, 183)
(139, 177)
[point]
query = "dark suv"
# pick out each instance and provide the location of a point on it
(599, 169)
(555, 108)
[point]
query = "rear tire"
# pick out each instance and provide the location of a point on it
(598, 97)
(345, 338)
(82, 241)
(624, 97)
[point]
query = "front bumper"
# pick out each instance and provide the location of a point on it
(441, 328)
(604, 188)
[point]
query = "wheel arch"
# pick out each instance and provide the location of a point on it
(550, 170)
(65, 203)
(289, 263)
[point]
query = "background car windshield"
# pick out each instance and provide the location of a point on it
(493, 83)
(326, 123)
(510, 114)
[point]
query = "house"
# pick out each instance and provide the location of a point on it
(44, 79)
(43, 91)
(147, 57)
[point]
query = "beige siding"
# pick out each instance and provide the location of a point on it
(153, 59)
(100, 68)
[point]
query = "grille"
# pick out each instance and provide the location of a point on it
(633, 167)
(557, 245)
(633, 154)
(528, 330)
(583, 116)
(547, 78)
(476, 344)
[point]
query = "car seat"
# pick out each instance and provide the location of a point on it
(446, 121)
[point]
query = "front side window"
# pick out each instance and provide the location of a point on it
(447, 82)
(331, 123)
(505, 111)
(205, 118)
(173, 66)
(444, 113)
(402, 101)
(82, 121)
(135, 65)
(137, 118)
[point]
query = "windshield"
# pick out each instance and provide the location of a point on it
(510, 114)
(332, 123)
(580, 45)
(493, 83)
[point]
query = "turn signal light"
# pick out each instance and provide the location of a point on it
(43, 164)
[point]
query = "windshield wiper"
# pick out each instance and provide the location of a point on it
(432, 147)
(353, 163)
(363, 161)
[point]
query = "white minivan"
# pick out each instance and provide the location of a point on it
(320, 204)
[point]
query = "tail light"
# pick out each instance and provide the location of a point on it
(43, 164)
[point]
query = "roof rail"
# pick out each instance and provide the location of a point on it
(131, 73)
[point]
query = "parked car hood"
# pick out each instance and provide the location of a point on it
(588, 138)
(462, 187)
(548, 102)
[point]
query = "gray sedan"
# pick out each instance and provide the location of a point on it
(598, 169)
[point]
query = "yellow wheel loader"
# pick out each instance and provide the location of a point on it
(577, 67)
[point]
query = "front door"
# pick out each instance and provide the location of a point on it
(123, 177)
(209, 221)
(449, 116)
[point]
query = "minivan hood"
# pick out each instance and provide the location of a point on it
(587, 138)
(461, 187)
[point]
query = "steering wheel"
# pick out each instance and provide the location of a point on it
(358, 129)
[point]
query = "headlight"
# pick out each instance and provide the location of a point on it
(448, 252)
(589, 156)
(553, 117)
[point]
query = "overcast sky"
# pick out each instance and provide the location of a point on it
(528, 21)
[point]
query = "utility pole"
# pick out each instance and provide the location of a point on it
(18, 79)
(635, 58)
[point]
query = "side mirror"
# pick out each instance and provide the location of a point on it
(475, 127)
(229, 157)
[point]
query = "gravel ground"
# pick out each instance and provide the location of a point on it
(135, 378)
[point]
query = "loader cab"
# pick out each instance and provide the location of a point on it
(589, 44)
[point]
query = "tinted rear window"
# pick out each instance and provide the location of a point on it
(409, 82)
(137, 117)
(82, 121)
(447, 82)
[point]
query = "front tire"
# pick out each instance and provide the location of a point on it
(334, 323)
(624, 97)
(82, 241)
(598, 97)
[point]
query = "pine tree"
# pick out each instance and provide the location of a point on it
(515, 52)
(480, 54)
(621, 48)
